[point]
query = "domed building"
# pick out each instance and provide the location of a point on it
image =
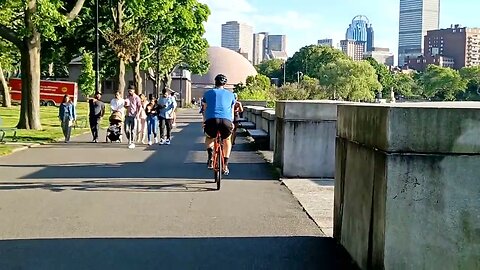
(225, 61)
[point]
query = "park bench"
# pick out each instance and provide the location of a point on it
(4, 130)
(260, 137)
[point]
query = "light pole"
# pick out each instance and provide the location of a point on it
(284, 71)
(97, 49)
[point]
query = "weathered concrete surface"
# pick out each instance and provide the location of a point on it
(103, 206)
(401, 205)
(402, 128)
(305, 138)
(269, 125)
(316, 197)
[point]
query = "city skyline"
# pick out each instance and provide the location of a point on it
(305, 24)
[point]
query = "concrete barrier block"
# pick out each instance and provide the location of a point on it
(443, 127)
(305, 138)
(404, 201)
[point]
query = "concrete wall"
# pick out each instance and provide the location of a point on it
(305, 138)
(407, 185)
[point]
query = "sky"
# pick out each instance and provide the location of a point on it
(306, 21)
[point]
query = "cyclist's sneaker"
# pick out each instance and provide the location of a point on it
(167, 142)
(210, 164)
(226, 171)
(162, 142)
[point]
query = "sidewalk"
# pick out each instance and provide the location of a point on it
(315, 196)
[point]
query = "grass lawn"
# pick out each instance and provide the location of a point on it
(6, 149)
(50, 124)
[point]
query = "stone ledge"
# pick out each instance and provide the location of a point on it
(269, 114)
(446, 127)
(316, 110)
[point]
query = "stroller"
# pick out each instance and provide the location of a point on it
(114, 131)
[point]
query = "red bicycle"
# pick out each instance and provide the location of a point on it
(218, 160)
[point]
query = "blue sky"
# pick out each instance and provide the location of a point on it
(306, 21)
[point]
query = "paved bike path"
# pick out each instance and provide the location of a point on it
(103, 206)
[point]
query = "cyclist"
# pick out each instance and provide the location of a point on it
(217, 106)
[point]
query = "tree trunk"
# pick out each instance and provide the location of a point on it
(118, 15)
(121, 76)
(6, 100)
(30, 58)
(137, 77)
(167, 81)
(30, 109)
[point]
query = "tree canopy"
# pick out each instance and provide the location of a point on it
(441, 83)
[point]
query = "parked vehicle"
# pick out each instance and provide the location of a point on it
(51, 92)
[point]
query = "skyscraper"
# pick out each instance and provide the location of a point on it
(361, 30)
(260, 41)
(354, 49)
(416, 18)
(277, 43)
(238, 37)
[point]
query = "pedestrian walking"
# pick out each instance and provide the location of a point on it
(67, 116)
(97, 111)
(167, 106)
(152, 120)
(142, 122)
(117, 104)
(134, 107)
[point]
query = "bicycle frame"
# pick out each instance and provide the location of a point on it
(218, 165)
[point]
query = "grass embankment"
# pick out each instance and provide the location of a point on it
(52, 130)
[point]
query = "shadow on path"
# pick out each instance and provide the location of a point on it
(171, 253)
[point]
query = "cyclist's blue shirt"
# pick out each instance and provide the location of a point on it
(219, 104)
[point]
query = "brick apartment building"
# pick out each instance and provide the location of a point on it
(454, 47)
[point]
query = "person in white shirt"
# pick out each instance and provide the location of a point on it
(117, 104)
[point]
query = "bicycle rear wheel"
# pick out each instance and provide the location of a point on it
(219, 169)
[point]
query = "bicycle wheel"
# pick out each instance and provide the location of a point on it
(219, 171)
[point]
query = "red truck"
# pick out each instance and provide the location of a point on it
(51, 92)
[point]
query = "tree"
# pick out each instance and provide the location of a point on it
(405, 85)
(472, 76)
(144, 28)
(86, 80)
(349, 80)
(310, 59)
(24, 23)
(9, 58)
(442, 83)
(384, 76)
(271, 68)
(256, 88)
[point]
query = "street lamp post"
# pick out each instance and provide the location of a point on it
(97, 49)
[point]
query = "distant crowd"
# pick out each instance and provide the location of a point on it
(139, 117)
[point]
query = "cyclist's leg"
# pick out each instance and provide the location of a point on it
(226, 129)
(210, 130)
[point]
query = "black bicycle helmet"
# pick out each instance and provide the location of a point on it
(220, 79)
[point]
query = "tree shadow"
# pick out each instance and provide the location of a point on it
(183, 160)
(231, 253)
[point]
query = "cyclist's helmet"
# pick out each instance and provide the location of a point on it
(220, 79)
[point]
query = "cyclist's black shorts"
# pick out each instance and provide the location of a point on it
(214, 125)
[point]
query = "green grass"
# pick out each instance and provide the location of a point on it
(6, 149)
(52, 130)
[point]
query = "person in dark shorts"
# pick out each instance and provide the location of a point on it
(217, 110)
(97, 111)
